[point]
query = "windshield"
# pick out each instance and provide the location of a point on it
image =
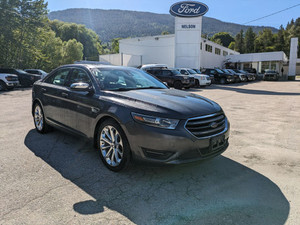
(21, 71)
(197, 71)
(226, 71)
(220, 71)
(175, 72)
(125, 79)
(242, 71)
(192, 72)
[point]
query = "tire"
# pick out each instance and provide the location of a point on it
(39, 119)
(222, 81)
(3, 86)
(178, 85)
(197, 83)
(113, 146)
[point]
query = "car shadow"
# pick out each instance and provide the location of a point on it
(236, 88)
(217, 191)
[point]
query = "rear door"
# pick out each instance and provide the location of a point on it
(55, 97)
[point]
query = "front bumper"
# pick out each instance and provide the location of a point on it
(177, 146)
(12, 83)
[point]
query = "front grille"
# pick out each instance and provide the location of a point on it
(206, 126)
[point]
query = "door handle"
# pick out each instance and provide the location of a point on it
(65, 95)
(44, 90)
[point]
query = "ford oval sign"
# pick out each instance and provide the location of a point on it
(188, 9)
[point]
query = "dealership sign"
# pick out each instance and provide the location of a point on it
(188, 9)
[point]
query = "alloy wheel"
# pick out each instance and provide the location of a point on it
(111, 146)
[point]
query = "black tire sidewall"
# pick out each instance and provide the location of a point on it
(178, 85)
(4, 87)
(126, 148)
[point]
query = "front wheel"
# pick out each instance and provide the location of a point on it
(178, 85)
(3, 86)
(113, 146)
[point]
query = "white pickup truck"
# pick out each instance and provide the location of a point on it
(8, 81)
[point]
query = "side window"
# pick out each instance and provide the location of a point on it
(167, 73)
(79, 76)
(58, 78)
(184, 72)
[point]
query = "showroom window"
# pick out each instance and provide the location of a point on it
(217, 51)
(208, 48)
(225, 53)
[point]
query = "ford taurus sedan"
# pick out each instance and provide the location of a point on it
(129, 114)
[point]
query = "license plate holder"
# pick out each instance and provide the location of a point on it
(217, 143)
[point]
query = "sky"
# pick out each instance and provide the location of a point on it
(235, 11)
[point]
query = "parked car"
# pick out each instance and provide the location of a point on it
(235, 75)
(42, 73)
(172, 77)
(241, 77)
(129, 114)
(8, 81)
(25, 79)
(201, 80)
(271, 75)
(220, 76)
(250, 76)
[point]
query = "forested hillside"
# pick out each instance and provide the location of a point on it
(110, 24)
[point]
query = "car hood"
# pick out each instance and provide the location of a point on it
(164, 102)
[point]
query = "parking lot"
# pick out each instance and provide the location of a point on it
(59, 179)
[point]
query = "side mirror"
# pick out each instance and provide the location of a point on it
(81, 87)
(165, 83)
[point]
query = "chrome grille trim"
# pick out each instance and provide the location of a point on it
(219, 118)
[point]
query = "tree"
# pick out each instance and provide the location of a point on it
(223, 38)
(90, 40)
(115, 45)
(73, 51)
(20, 22)
(165, 33)
(239, 42)
(232, 45)
(249, 41)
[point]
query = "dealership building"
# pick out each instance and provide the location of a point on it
(186, 48)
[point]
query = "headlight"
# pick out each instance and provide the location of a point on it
(155, 121)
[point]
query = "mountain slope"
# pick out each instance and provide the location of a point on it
(109, 24)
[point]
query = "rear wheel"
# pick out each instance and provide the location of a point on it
(178, 85)
(39, 119)
(113, 146)
(3, 86)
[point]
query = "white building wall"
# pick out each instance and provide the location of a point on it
(154, 49)
(114, 59)
(211, 59)
(161, 49)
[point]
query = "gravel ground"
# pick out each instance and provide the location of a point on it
(58, 178)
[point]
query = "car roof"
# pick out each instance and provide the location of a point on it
(153, 65)
(93, 66)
